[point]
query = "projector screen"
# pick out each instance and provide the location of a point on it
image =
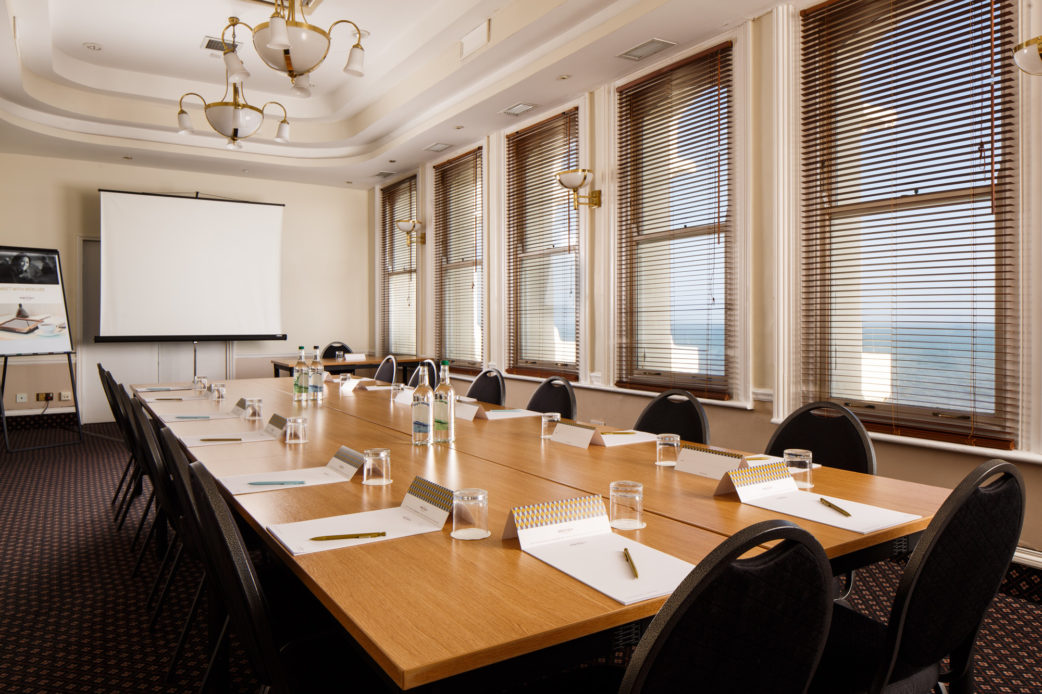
(180, 268)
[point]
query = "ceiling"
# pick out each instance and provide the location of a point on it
(101, 80)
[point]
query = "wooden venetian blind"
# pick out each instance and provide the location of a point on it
(543, 249)
(458, 250)
(676, 325)
(398, 270)
(909, 288)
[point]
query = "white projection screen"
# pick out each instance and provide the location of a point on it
(185, 268)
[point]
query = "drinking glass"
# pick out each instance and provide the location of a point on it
(199, 383)
(254, 409)
(219, 390)
(626, 509)
(800, 464)
(667, 449)
(549, 424)
(377, 468)
(470, 514)
(296, 430)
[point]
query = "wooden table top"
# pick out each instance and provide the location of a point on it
(433, 607)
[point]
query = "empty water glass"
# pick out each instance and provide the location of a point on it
(253, 409)
(470, 514)
(377, 467)
(800, 464)
(549, 424)
(296, 430)
(667, 449)
(626, 509)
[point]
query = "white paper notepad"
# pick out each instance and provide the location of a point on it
(574, 536)
(425, 509)
(217, 439)
(251, 483)
(511, 414)
(196, 416)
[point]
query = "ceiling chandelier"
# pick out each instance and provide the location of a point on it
(234, 118)
(287, 42)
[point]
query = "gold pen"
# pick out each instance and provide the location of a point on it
(221, 438)
(169, 398)
(834, 507)
(348, 536)
(616, 433)
(629, 560)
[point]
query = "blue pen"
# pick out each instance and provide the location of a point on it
(276, 483)
(192, 416)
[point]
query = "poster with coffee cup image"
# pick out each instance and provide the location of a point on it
(33, 315)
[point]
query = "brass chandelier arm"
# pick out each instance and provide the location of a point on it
(181, 101)
(233, 22)
(358, 32)
(285, 116)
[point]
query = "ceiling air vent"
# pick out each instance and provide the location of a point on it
(649, 47)
(437, 147)
(518, 109)
(386, 174)
(213, 43)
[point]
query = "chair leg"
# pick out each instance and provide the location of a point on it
(184, 630)
(166, 587)
(126, 471)
(144, 515)
(128, 495)
(130, 500)
(159, 573)
(144, 546)
(218, 657)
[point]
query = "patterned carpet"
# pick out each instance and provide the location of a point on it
(73, 619)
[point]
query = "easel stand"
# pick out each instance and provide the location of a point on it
(75, 404)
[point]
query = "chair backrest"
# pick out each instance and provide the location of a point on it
(489, 386)
(177, 465)
(155, 464)
(776, 605)
(555, 394)
(229, 563)
(831, 432)
(116, 405)
(954, 572)
(388, 369)
(330, 350)
(432, 374)
(675, 412)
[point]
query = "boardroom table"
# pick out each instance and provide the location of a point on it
(339, 366)
(428, 607)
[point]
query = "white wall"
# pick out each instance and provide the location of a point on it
(53, 203)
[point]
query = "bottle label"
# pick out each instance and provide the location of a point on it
(300, 381)
(441, 415)
(421, 418)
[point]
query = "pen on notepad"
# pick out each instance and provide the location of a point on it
(616, 433)
(169, 398)
(221, 438)
(192, 416)
(834, 507)
(348, 536)
(265, 483)
(629, 560)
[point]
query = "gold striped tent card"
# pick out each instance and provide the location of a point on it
(554, 513)
(431, 493)
(756, 481)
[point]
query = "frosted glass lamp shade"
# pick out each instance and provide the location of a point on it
(1028, 56)
(307, 48)
(278, 40)
(237, 72)
(356, 61)
(408, 225)
(184, 122)
(574, 180)
(302, 86)
(282, 132)
(234, 121)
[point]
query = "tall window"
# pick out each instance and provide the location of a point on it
(543, 249)
(459, 316)
(398, 275)
(909, 298)
(676, 325)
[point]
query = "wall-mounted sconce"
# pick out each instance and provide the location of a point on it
(574, 180)
(1028, 56)
(411, 228)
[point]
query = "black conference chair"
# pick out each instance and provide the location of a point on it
(834, 434)
(489, 386)
(104, 376)
(675, 412)
(432, 374)
(555, 394)
(388, 370)
(318, 662)
(948, 583)
(741, 625)
(140, 469)
(330, 350)
(836, 438)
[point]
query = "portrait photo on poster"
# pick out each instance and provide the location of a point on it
(33, 315)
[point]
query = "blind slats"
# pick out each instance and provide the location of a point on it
(908, 267)
(676, 229)
(398, 270)
(459, 248)
(543, 254)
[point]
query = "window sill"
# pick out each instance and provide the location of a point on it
(734, 404)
